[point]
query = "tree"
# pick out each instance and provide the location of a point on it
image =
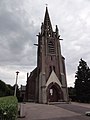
(5, 90)
(8, 90)
(82, 82)
(72, 94)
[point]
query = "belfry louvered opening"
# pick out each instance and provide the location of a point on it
(51, 47)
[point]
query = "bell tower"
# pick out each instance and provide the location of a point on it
(51, 84)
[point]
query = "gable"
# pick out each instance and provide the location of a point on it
(53, 78)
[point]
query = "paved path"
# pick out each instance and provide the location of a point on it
(75, 107)
(54, 112)
(82, 104)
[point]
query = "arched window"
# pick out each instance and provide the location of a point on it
(50, 69)
(54, 68)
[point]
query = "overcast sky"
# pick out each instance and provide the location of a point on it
(20, 22)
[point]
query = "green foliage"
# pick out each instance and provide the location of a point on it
(82, 82)
(8, 108)
(72, 93)
(5, 90)
(8, 90)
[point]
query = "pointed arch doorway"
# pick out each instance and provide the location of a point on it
(54, 93)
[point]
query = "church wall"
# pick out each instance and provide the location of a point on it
(49, 60)
(52, 64)
(31, 86)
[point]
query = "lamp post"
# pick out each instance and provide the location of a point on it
(16, 83)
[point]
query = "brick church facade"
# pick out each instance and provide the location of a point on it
(47, 82)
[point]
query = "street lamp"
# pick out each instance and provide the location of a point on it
(16, 83)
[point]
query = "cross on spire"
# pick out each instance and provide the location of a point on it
(46, 5)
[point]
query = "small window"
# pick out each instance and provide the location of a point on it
(54, 68)
(50, 69)
(51, 58)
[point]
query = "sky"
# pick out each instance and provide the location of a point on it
(20, 22)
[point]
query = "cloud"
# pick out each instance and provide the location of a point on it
(20, 22)
(16, 33)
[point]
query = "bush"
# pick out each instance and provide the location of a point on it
(8, 108)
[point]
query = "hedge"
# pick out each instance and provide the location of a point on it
(8, 108)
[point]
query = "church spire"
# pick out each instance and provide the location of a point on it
(47, 22)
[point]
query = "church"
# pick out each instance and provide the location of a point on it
(47, 82)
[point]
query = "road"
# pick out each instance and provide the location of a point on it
(73, 111)
(74, 108)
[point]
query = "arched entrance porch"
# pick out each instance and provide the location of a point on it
(54, 93)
